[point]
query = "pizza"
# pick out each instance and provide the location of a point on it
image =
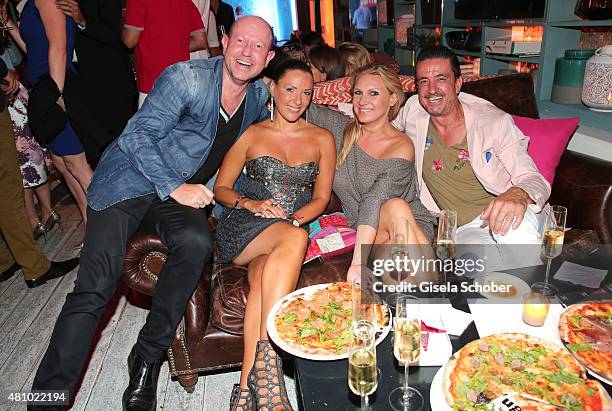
(586, 330)
(539, 375)
(319, 323)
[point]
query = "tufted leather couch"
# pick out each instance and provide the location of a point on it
(209, 337)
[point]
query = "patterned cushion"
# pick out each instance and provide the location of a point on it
(339, 91)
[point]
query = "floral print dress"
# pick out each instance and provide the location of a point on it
(34, 161)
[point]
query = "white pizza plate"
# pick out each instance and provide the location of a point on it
(436, 395)
(305, 293)
(593, 373)
(521, 286)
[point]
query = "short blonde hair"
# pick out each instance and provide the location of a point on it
(392, 84)
(355, 56)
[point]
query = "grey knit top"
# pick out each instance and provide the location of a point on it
(364, 183)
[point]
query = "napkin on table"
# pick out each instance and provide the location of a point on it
(580, 274)
(455, 321)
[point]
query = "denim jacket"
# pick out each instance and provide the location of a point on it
(170, 137)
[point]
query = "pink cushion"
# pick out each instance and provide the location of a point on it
(548, 138)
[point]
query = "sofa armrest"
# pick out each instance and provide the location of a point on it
(145, 255)
(144, 258)
(583, 184)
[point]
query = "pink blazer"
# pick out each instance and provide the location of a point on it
(498, 149)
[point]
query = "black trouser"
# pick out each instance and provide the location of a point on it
(186, 233)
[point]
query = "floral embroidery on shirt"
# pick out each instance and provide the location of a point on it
(463, 157)
(438, 165)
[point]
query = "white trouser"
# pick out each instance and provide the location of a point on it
(520, 247)
(141, 98)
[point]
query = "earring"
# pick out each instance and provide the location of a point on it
(271, 108)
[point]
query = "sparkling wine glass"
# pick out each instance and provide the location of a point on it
(363, 305)
(362, 369)
(446, 247)
(399, 249)
(407, 349)
(552, 245)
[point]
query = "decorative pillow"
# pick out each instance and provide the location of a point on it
(339, 91)
(329, 235)
(548, 138)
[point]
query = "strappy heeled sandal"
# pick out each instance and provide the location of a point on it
(39, 231)
(54, 218)
(266, 380)
(241, 399)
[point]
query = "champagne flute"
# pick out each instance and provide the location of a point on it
(446, 248)
(363, 305)
(399, 248)
(407, 349)
(552, 245)
(362, 370)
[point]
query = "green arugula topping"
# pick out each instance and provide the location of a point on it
(529, 376)
(566, 402)
(290, 318)
(494, 349)
(575, 320)
(580, 347)
(525, 356)
(342, 339)
(483, 359)
(307, 332)
(563, 377)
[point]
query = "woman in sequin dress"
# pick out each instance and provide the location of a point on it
(289, 172)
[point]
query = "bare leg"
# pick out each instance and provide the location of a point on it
(44, 198)
(252, 317)
(284, 247)
(30, 208)
(420, 246)
(80, 169)
(281, 272)
(397, 207)
(73, 185)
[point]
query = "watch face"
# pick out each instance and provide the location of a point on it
(295, 223)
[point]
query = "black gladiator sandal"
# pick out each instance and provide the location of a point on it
(241, 399)
(266, 380)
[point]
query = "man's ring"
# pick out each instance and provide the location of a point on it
(273, 204)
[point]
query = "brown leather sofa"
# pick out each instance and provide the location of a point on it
(209, 337)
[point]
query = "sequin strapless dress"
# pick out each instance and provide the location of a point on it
(266, 177)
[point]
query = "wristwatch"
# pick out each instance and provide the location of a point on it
(295, 222)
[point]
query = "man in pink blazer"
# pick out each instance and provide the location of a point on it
(470, 157)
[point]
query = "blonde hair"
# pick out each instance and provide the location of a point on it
(355, 56)
(393, 86)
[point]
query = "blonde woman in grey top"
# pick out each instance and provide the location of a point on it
(375, 176)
